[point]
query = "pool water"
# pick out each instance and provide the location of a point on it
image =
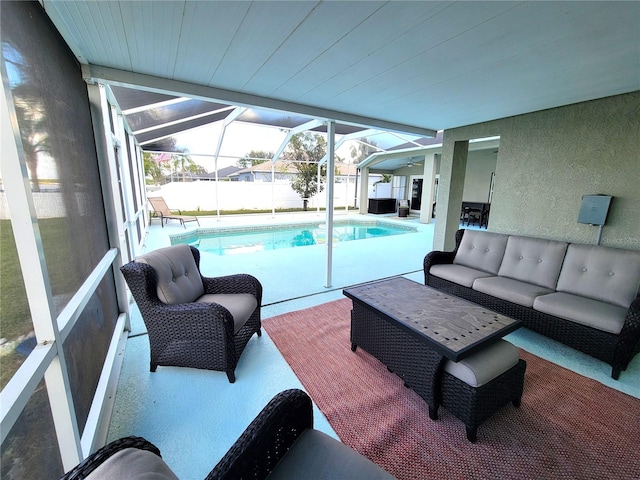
(257, 239)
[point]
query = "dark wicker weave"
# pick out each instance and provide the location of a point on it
(616, 350)
(421, 369)
(84, 469)
(473, 405)
(267, 439)
(419, 366)
(198, 335)
(253, 456)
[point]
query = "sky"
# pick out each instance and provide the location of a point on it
(239, 139)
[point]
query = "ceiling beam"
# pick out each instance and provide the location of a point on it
(97, 73)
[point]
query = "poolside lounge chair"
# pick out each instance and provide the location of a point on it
(162, 210)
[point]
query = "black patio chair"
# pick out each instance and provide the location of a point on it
(193, 321)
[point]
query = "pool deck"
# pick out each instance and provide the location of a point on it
(194, 416)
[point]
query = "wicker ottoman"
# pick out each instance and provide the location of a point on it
(476, 387)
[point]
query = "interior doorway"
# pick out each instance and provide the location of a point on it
(416, 193)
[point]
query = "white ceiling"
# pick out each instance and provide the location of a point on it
(432, 65)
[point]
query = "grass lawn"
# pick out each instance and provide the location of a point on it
(15, 316)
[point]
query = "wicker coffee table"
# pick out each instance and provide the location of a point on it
(412, 329)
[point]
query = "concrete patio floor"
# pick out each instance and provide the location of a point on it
(194, 416)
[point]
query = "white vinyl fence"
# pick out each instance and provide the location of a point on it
(209, 196)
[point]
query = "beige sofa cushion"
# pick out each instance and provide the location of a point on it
(240, 305)
(481, 250)
(459, 274)
(608, 274)
(317, 456)
(533, 260)
(133, 464)
(484, 365)
(179, 280)
(511, 290)
(585, 311)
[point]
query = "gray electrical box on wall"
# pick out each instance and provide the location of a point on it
(594, 209)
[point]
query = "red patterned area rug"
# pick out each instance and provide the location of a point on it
(567, 427)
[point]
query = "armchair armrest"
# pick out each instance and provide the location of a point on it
(629, 343)
(238, 283)
(437, 257)
(93, 461)
(267, 439)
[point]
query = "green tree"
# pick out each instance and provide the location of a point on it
(361, 150)
(182, 164)
(153, 168)
(304, 152)
(254, 157)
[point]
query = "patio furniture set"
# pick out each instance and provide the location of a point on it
(585, 296)
(448, 350)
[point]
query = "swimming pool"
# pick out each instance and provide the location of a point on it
(237, 240)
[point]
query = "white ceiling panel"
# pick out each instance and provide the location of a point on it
(424, 64)
(257, 40)
(211, 29)
(325, 29)
(153, 50)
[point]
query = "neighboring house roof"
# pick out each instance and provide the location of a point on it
(226, 171)
(282, 166)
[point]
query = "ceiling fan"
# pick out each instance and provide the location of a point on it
(411, 163)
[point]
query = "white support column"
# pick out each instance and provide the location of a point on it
(364, 190)
(428, 188)
(331, 143)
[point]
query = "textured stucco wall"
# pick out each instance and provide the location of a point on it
(549, 159)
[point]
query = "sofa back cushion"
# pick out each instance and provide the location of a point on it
(481, 250)
(533, 260)
(179, 279)
(608, 274)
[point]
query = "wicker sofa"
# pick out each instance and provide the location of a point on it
(584, 296)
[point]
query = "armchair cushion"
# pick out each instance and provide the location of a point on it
(317, 456)
(179, 279)
(134, 464)
(240, 305)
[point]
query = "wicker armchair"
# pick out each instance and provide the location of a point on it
(280, 443)
(193, 321)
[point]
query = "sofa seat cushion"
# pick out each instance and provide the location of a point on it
(481, 250)
(458, 274)
(585, 311)
(533, 260)
(317, 456)
(133, 464)
(607, 274)
(179, 279)
(511, 290)
(485, 365)
(240, 306)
